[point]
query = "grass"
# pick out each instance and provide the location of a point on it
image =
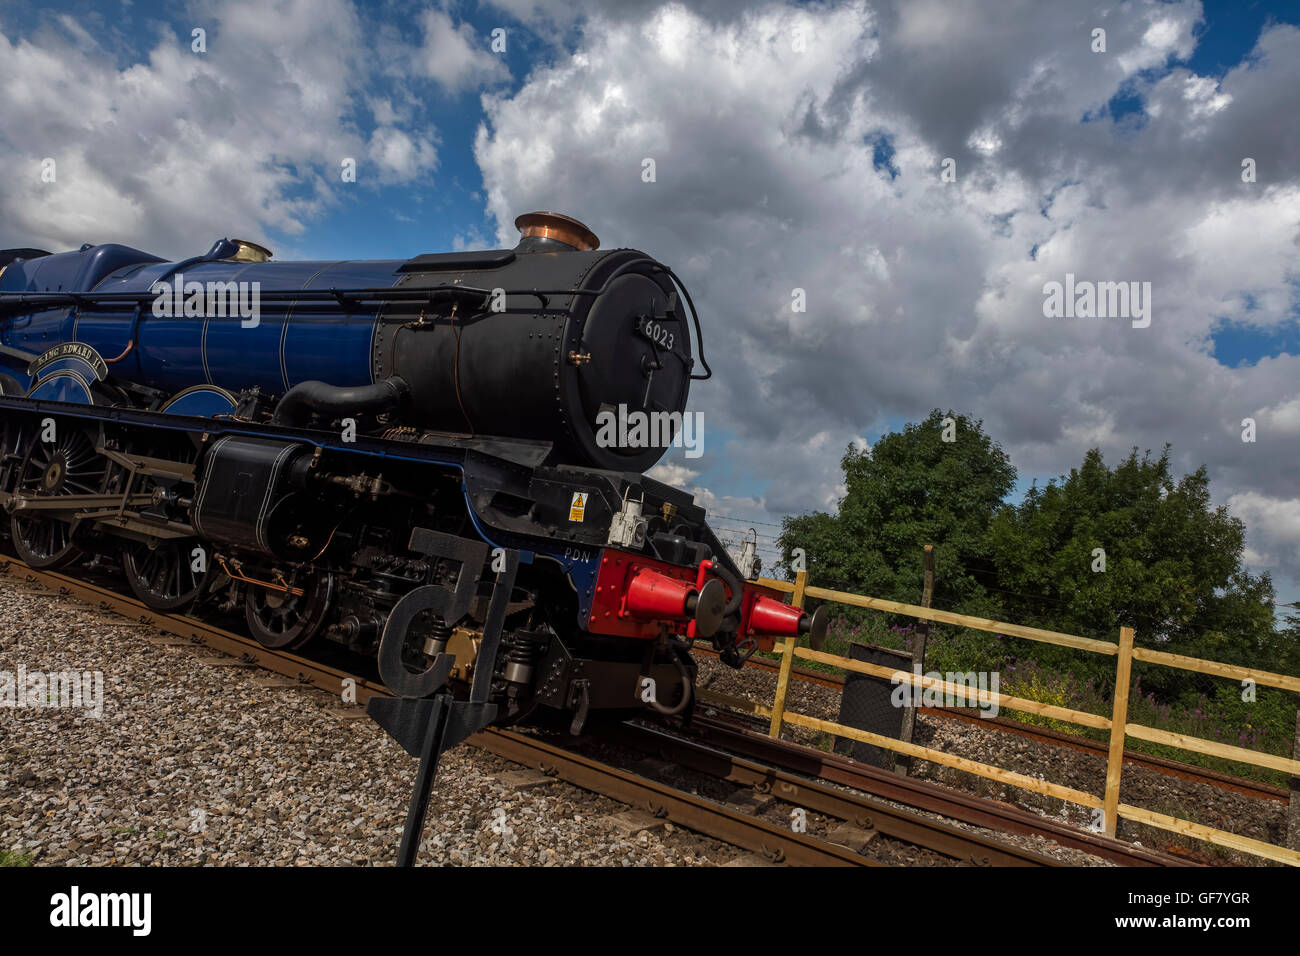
(1266, 724)
(14, 858)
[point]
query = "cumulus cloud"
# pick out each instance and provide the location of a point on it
(766, 128)
(398, 155)
(799, 152)
(553, 19)
(1276, 527)
(246, 137)
(455, 56)
(673, 473)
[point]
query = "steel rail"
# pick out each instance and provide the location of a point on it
(921, 794)
(778, 844)
(860, 810)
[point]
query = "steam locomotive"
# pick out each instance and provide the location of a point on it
(401, 457)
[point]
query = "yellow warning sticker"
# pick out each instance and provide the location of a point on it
(578, 506)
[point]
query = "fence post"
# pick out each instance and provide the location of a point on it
(1118, 721)
(787, 660)
(1293, 807)
(902, 762)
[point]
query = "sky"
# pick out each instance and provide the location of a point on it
(921, 170)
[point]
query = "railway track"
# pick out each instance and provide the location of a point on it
(923, 794)
(838, 823)
(1162, 765)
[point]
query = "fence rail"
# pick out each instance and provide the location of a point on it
(1117, 724)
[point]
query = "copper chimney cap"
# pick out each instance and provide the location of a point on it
(553, 225)
(250, 251)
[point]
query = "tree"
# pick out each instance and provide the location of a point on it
(1129, 546)
(913, 488)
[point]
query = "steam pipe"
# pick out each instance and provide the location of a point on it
(307, 398)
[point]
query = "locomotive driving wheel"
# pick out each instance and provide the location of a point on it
(11, 450)
(68, 465)
(164, 578)
(279, 618)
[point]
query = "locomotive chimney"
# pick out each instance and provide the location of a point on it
(552, 232)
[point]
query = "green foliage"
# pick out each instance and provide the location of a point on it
(912, 488)
(1172, 564)
(1173, 571)
(14, 858)
(1282, 647)
(965, 649)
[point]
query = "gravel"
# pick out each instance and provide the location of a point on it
(193, 763)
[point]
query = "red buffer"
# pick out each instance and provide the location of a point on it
(653, 596)
(770, 618)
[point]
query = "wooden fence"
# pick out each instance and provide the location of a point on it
(1117, 724)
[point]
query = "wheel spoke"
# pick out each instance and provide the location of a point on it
(287, 620)
(161, 577)
(68, 466)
